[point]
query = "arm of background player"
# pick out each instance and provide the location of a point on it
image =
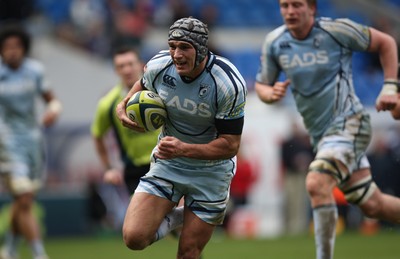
(386, 47)
(111, 175)
(53, 108)
(271, 94)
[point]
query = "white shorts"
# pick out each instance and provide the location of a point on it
(25, 170)
(347, 142)
(205, 189)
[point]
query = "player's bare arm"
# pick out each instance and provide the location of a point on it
(385, 46)
(53, 109)
(120, 109)
(271, 94)
(111, 175)
(224, 147)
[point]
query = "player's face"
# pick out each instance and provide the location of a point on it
(184, 56)
(12, 52)
(128, 67)
(298, 16)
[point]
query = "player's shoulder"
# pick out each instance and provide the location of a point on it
(111, 96)
(219, 60)
(275, 34)
(223, 67)
(159, 61)
(337, 25)
(225, 74)
(33, 65)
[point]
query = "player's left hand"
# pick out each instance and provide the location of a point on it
(169, 147)
(388, 97)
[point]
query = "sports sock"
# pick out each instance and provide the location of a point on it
(37, 248)
(11, 243)
(325, 218)
(172, 220)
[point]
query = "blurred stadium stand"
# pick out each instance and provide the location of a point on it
(262, 15)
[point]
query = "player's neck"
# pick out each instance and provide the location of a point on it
(303, 32)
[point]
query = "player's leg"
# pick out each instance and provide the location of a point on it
(195, 235)
(26, 224)
(23, 222)
(362, 191)
(320, 188)
(340, 153)
(23, 182)
(143, 217)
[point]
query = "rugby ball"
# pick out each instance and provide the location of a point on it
(147, 109)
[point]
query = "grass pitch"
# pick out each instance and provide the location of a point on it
(384, 245)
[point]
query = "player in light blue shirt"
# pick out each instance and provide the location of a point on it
(315, 55)
(195, 158)
(21, 82)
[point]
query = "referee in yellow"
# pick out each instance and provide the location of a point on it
(135, 147)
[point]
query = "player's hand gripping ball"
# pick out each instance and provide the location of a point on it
(147, 109)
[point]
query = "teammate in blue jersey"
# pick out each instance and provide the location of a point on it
(315, 55)
(21, 81)
(195, 157)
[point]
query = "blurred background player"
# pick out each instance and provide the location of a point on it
(134, 147)
(195, 159)
(21, 81)
(315, 55)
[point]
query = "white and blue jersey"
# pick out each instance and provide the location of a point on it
(198, 111)
(319, 68)
(196, 108)
(18, 92)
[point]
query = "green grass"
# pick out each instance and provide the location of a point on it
(384, 245)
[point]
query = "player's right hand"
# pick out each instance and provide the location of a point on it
(279, 90)
(113, 176)
(126, 122)
(388, 97)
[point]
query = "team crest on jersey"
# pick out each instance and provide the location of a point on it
(169, 81)
(317, 41)
(204, 90)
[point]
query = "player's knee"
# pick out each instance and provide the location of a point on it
(314, 182)
(188, 254)
(372, 208)
(189, 251)
(134, 240)
(24, 201)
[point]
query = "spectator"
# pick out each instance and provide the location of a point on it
(296, 155)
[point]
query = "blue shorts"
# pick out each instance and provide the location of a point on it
(205, 189)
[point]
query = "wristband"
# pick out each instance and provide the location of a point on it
(54, 106)
(390, 87)
(392, 81)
